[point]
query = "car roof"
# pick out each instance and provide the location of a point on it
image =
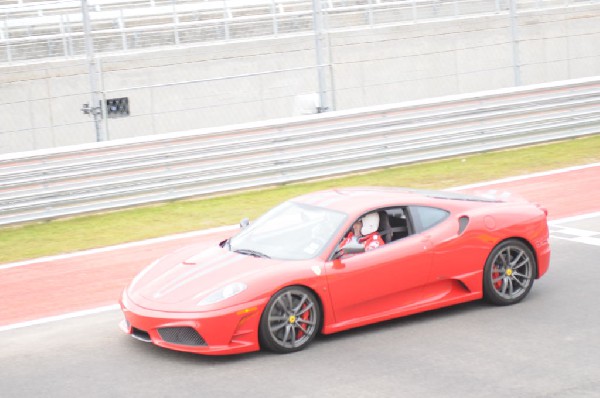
(358, 199)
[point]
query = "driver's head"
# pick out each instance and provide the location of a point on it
(357, 226)
(370, 223)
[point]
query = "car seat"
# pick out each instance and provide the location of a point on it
(398, 228)
(384, 227)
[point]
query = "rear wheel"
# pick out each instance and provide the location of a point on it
(509, 273)
(291, 320)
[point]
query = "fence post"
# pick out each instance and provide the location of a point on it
(122, 28)
(104, 108)
(175, 22)
(414, 10)
(226, 17)
(274, 14)
(69, 35)
(63, 35)
(8, 52)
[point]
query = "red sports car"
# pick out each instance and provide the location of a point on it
(334, 260)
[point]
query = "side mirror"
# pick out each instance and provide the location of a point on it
(244, 223)
(224, 243)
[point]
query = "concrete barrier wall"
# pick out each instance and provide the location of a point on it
(210, 85)
(451, 57)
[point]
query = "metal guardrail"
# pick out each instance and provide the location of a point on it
(52, 183)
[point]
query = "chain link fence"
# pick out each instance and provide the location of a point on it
(160, 66)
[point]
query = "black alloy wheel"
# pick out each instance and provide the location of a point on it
(509, 273)
(291, 320)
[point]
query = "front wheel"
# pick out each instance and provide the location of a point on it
(291, 320)
(509, 273)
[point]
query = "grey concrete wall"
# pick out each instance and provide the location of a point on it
(40, 103)
(426, 60)
(39, 106)
(228, 99)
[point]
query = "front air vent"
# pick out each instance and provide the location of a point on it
(141, 335)
(181, 336)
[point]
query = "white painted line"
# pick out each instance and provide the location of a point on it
(587, 237)
(524, 177)
(573, 231)
(588, 240)
(574, 218)
(62, 317)
(117, 247)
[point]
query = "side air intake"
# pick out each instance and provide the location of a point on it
(463, 221)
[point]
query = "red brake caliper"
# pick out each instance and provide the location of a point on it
(306, 317)
(496, 274)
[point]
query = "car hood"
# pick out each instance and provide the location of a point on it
(178, 282)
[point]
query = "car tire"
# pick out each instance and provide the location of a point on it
(290, 321)
(509, 273)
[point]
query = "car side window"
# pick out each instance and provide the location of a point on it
(395, 224)
(425, 217)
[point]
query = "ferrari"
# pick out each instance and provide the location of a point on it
(338, 259)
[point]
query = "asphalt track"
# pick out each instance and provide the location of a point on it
(547, 346)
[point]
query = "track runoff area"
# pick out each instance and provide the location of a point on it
(56, 288)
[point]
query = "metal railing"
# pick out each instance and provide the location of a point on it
(53, 183)
(39, 30)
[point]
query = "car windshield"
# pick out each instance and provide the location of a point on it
(290, 231)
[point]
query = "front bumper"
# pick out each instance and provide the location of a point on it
(221, 332)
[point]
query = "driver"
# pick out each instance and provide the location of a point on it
(364, 231)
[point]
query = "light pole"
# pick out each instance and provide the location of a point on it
(514, 33)
(94, 108)
(319, 49)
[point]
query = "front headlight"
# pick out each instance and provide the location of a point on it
(224, 293)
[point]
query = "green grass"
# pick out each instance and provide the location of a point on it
(98, 230)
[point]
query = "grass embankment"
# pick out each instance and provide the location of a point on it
(98, 230)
